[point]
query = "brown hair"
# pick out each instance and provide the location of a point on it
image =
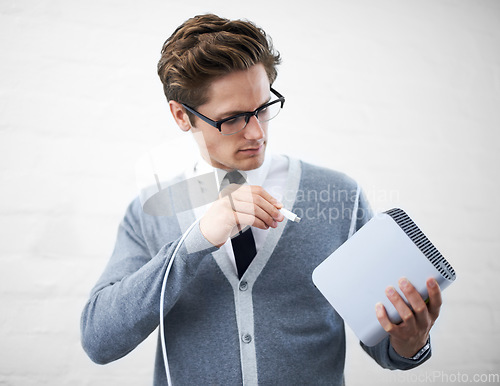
(206, 47)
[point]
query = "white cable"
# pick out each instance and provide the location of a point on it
(291, 216)
(162, 299)
(354, 217)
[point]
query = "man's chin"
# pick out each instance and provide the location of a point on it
(240, 162)
(251, 162)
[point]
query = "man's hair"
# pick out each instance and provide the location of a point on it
(206, 47)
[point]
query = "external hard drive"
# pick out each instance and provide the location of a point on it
(354, 277)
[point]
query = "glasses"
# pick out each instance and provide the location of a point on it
(238, 122)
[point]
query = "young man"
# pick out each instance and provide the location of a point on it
(240, 305)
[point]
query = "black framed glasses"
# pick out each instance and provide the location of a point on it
(238, 122)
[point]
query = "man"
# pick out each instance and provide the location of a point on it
(227, 321)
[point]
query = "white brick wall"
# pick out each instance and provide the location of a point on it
(406, 99)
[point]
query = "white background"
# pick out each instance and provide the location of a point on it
(402, 95)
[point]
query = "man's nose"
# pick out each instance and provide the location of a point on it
(253, 129)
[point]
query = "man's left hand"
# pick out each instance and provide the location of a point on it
(409, 336)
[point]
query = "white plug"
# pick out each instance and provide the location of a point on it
(289, 215)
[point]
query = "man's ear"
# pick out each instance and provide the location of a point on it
(180, 115)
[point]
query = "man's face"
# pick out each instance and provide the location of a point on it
(237, 92)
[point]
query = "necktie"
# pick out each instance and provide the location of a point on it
(244, 243)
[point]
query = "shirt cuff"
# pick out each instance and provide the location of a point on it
(420, 356)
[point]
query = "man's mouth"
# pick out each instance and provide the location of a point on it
(253, 149)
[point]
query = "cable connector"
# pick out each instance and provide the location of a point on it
(289, 215)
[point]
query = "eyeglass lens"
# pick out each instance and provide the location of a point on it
(239, 123)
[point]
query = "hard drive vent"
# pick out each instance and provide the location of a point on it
(422, 242)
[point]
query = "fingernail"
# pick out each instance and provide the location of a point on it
(378, 308)
(432, 283)
(279, 205)
(390, 291)
(275, 224)
(403, 282)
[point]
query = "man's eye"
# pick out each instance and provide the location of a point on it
(235, 121)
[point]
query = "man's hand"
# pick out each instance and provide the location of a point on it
(409, 336)
(239, 205)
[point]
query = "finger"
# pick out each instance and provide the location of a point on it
(267, 202)
(254, 210)
(259, 190)
(417, 304)
(399, 304)
(244, 219)
(269, 208)
(383, 318)
(435, 299)
(261, 199)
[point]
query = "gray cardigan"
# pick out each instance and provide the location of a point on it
(271, 327)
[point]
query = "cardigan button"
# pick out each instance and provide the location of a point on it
(243, 286)
(246, 338)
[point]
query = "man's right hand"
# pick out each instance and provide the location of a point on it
(239, 205)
